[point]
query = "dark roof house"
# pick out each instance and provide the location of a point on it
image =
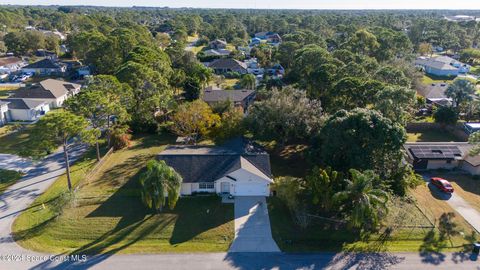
(46, 66)
(210, 163)
(225, 65)
(240, 98)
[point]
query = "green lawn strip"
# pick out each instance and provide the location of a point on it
(431, 136)
(320, 236)
(17, 143)
(106, 215)
(8, 178)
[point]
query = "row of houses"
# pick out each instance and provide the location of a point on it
(228, 65)
(29, 103)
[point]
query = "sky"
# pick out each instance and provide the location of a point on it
(267, 4)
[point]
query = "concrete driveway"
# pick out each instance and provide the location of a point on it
(470, 214)
(252, 226)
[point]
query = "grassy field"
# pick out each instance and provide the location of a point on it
(8, 178)
(429, 79)
(431, 136)
(5, 91)
(16, 143)
(323, 237)
(197, 49)
(106, 214)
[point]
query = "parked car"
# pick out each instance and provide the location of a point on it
(442, 184)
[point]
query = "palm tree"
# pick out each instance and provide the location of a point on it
(158, 183)
(363, 203)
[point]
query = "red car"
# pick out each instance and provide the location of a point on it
(442, 184)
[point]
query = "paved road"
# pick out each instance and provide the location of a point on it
(470, 214)
(254, 261)
(20, 196)
(252, 226)
(15, 163)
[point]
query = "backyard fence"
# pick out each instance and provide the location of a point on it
(456, 130)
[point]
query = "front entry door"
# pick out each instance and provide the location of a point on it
(225, 187)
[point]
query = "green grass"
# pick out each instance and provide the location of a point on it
(431, 136)
(321, 236)
(106, 214)
(8, 178)
(475, 70)
(5, 91)
(197, 49)
(16, 143)
(429, 79)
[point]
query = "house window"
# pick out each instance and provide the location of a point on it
(206, 186)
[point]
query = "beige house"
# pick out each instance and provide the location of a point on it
(54, 92)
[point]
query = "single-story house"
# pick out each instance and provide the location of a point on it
(255, 42)
(269, 37)
(240, 98)
(239, 168)
(3, 112)
(25, 109)
(52, 91)
(442, 155)
(10, 64)
(217, 44)
(225, 65)
(45, 67)
(217, 52)
(442, 66)
(435, 94)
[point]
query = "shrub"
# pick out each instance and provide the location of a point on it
(120, 138)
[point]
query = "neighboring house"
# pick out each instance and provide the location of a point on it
(45, 53)
(25, 109)
(442, 155)
(255, 42)
(54, 92)
(435, 94)
(239, 168)
(276, 70)
(225, 65)
(240, 98)
(442, 66)
(3, 112)
(45, 67)
(269, 37)
(218, 44)
(274, 38)
(471, 127)
(219, 52)
(10, 64)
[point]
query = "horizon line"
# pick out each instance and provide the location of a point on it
(244, 8)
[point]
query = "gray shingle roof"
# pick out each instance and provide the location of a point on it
(227, 63)
(434, 91)
(22, 104)
(207, 163)
(45, 63)
(223, 95)
(49, 89)
(9, 60)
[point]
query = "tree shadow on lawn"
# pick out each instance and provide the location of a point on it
(198, 214)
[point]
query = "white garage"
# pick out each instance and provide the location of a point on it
(251, 190)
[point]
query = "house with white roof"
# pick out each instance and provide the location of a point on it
(443, 66)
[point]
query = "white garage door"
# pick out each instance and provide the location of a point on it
(251, 189)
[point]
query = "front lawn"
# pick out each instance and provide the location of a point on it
(106, 214)
(429, 79)
(406, 228)
(6, 91)
(16, 143)
(431, 136)
(8, 178)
